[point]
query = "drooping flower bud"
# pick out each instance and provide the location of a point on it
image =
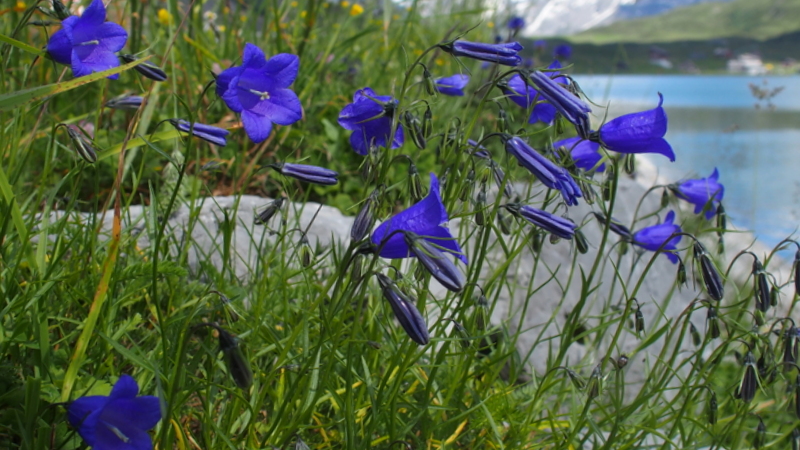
(82, 146)
(795, 437)
(365, 219)
(796, 267)
(307, 173)
(480, 207)
(306, 254)
(551, 223)
(789, 356)
(774, 295)
(235, 361)
(760, 435)
(749, 384)
(482, 313)
(761, 287)
(665, 198)
(708, 271)
(464, 337)
(537, 241)
(499, 176)
(404, 310)
(797, 396)
(272, 208)
(212, 134)
(616, 227)
(638, 320)
(622, 361)
(608, 183)
(722, 222)
(131, 102)
(61, 11)
(436, 262)
(147, 70)
(502, 121)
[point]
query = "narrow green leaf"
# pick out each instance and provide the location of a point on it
(21, 45)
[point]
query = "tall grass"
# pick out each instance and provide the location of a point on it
(109, 285)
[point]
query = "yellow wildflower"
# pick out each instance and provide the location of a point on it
(490, 24)
(293, 4)
(356, 9)
(20, 6)
(345, 4)
(164, 17)
(303, 14)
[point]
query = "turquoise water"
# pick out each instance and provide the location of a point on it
(714, 122)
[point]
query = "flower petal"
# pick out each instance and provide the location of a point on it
(224, 79)
(257, 126)
(358, 140)
(282, 69)
(543, 112)
(125, 387)
(79, 410)
(94, 15)
(142, 412)
(97, 60)
(110, 437)
(231, 95)
(253, 57)
(60, 44)
(283, 107)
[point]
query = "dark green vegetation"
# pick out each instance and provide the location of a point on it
(755, 19)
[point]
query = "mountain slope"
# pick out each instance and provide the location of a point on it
(563, 17)
(757, 19)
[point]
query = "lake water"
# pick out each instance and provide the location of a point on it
(713, 122)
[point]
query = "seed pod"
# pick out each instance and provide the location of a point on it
(268, 212)
(588, 191)
(760, 435)
(82, 145)
(415, 130)
(681, 277)
(480, 207)
(722, 220)
(665, 198)
(629, 163)
(761, 287)
(504, 220)
(427, 122)
(711, 277)
(237, 365)
(481, 313)
(608, 183)
(428, 81)
(593, 388)
(537, 241)
(639, 320)
(695, 335)
(712, 408)
(712, 323)
(415, 183)
(306, 253)
(622, 361)
(774, 295)
(580, 242)
(747, 389)
(575, 379)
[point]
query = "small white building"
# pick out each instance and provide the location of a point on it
(747, 63)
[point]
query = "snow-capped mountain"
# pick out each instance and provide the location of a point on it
(564, 17)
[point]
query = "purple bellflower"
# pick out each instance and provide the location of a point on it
(436, 262)
(369, 117)
(311, 174)
(209, 133)
(88, 43)
(568, 104)
(641, 132)
(520, 93)
(259, 91)
(586, 154)
(427, 218)
(452, 85)
(563, 51)
(131, 102)
(505, 53)
(701, 193)
(653, 237)
(559, 226)
(119, 421)
(516, 23)
(548, 172)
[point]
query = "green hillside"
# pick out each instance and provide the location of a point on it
(756, 19)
